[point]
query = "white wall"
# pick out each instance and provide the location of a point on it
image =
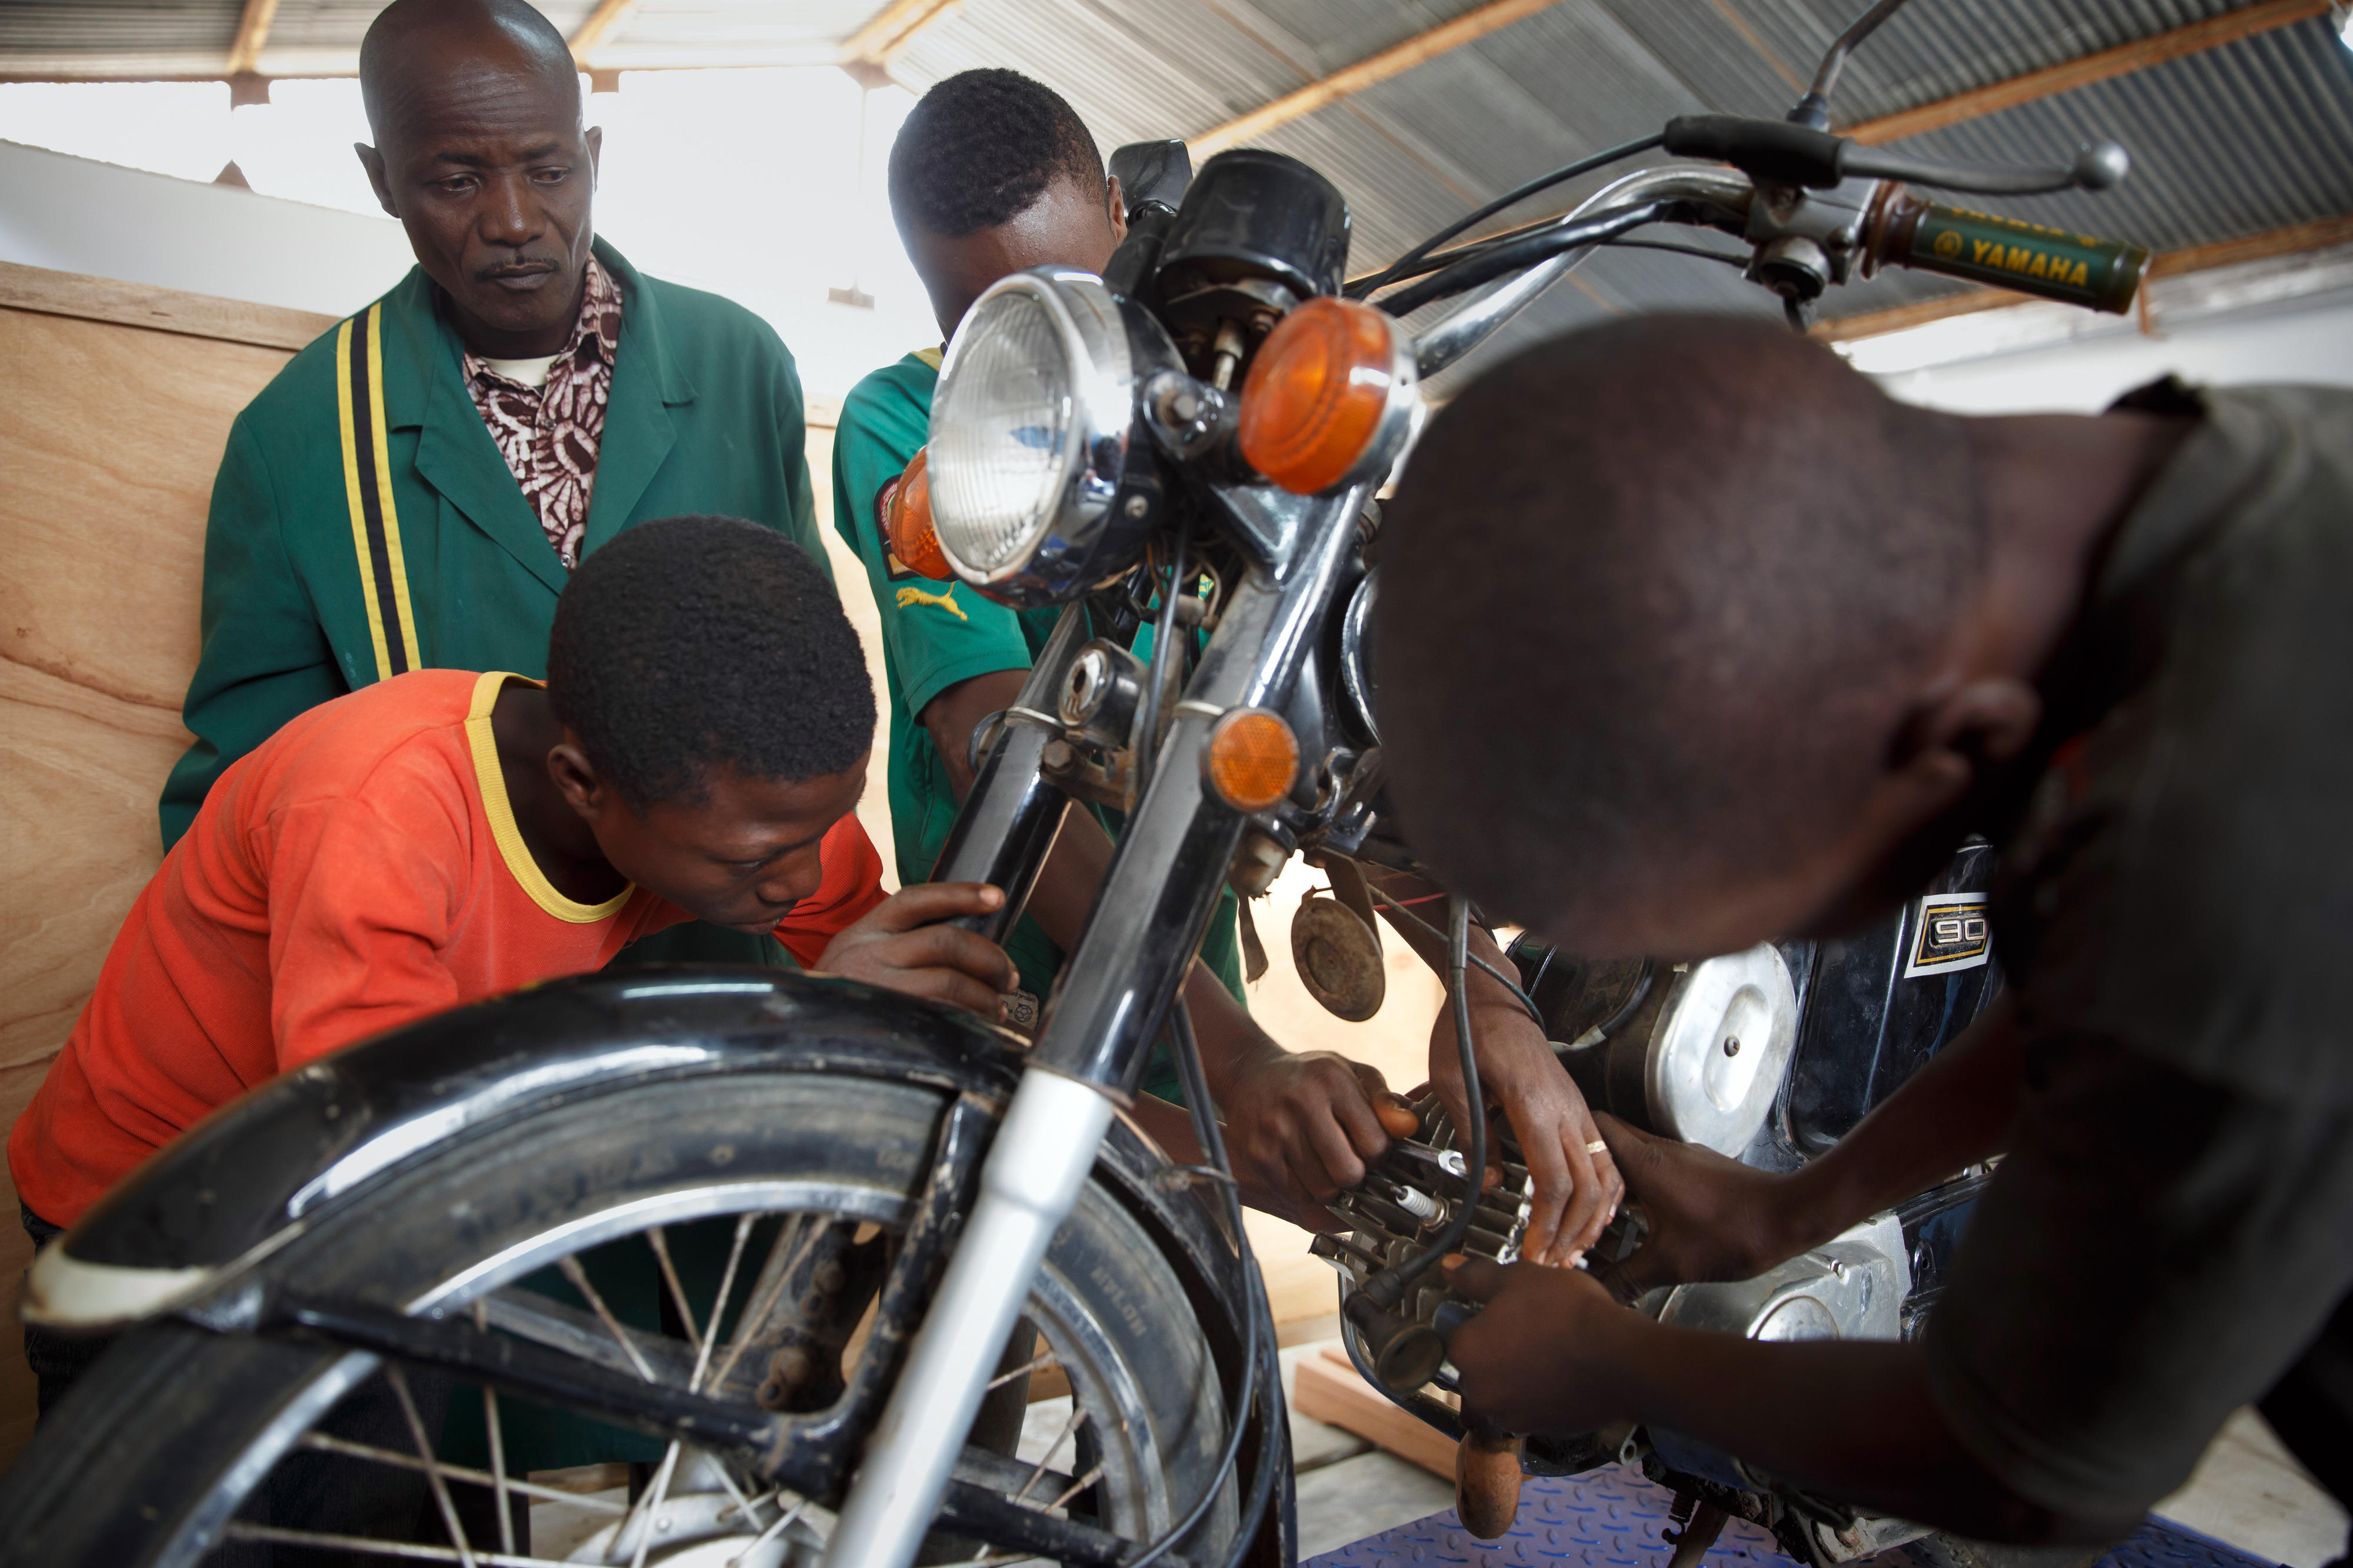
(2283, 319)
(74, 214)
(764, 185)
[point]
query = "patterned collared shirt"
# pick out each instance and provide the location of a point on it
(550, 434)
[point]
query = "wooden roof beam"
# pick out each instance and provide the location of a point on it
(245, 84)
(867, 51)
(1370, 72)
(600, 24)
(2174, 44)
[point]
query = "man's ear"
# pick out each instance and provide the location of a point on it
(1117, 200)
(594, 137)
(373, 162)
(1946, 739)
(576, 780)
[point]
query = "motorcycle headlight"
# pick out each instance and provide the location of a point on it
(1033, 492)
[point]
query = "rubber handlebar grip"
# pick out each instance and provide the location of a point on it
(1761, 149)
(2072, 268)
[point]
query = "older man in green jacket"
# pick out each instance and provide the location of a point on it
(415, 487)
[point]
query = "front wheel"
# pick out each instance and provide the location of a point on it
(725, 1235)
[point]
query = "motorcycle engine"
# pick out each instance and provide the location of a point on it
(1695, 1052)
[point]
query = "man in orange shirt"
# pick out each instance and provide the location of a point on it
(443, 837)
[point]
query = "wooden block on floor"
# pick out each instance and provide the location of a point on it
(1328, 1389)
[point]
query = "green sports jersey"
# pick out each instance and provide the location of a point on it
(936, 634)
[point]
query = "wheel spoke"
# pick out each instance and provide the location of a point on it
(660, 1245)
(497, 1441)
(784, 1521)
(325, 1443)
(530, 1316)
(1078, 1419)
(579, 1279)
(719, 1307)
(1075, 1488)
(1046, 1361)
(275, 1535)
(399, 1381)
(648, 1506)
(774, 1276)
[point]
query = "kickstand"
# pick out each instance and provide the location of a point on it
(1700, 1528)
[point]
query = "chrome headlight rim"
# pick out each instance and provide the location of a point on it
(1090, 458)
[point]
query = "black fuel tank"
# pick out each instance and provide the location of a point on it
(1884, 1001)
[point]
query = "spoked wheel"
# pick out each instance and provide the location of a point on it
(738, 1239)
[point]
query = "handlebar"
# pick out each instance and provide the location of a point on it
(1797, 154)
(2072, 268)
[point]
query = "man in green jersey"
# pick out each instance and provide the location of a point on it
(992, 173)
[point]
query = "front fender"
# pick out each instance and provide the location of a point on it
(266, 1168)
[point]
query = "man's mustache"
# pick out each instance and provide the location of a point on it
(523, 266)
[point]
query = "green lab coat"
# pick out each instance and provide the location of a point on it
(705, 416)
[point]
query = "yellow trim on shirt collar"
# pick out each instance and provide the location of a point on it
(492, 780)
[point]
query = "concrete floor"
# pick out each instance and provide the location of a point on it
(2248, 1491)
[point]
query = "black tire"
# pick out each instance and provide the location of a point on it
(161, 1445)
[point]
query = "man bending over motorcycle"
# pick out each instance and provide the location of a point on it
(443, 837)
(993, 173)
(1782, 643)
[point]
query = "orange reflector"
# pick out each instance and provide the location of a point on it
(1314, 399)
(1252, 759)
(906, 508)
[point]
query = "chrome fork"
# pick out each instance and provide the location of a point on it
(1156, 900)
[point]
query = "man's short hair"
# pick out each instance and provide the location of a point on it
(695, 644)
(980, 147)
(514, 29)
(1655, 597)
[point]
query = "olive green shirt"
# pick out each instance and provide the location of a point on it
(936, 634)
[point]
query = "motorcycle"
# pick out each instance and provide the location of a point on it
(863, 1226)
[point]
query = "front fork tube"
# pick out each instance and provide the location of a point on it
(1041, 1157)
(1009, 822)
(1115, 988)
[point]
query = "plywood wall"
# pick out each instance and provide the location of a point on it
(115, 403)
(110, 431)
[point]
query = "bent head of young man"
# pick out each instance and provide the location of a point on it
(994, 174)
(1777, 641)
(706, 722)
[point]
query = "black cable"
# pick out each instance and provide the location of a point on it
(1539, 246)
(1395, 269)
(1213, 1145)
(1507, 982)
(1699, 250)
(1164, 639)
(1387, 1288)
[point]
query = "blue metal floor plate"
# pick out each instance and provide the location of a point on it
(1613, 1518)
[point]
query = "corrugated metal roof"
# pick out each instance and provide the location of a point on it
(2250, 136)
(2243, 138)
(71, 28)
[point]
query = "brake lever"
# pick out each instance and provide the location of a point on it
(1788, 153)
(2100, 165)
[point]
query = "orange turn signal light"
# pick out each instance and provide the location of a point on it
(905, 506)
(1252, 760)
(1324, 397)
